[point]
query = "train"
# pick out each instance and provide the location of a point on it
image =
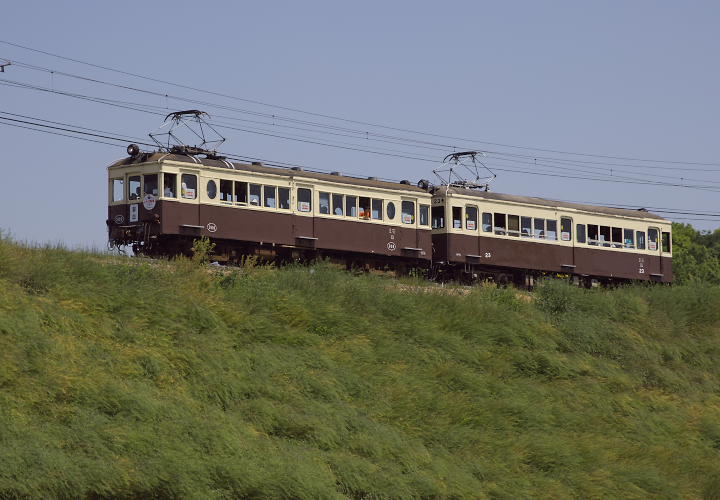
(160, 202)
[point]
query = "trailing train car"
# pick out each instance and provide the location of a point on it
(159, 203)
(477, 233)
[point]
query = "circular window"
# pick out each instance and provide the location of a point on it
(211, 190)
(391, 210)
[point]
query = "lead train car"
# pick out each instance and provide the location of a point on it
(160, 203)
(477, 233)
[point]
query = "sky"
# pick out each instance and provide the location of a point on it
(616, 83)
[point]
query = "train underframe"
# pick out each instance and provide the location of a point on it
(234, 252)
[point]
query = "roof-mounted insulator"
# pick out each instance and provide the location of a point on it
(297, 169)
(371, 178)
(257, 164)
(336, 173)
(405, 181)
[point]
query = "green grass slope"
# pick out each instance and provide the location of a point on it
(125, 378)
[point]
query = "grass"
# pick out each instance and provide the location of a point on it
(132, 378)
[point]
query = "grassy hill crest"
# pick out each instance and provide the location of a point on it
(128, 378)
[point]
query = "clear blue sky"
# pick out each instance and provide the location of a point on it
(629, 79)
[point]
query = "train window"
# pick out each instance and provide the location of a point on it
(513, 225)
(169, 185)
(337, 204)
(628, 240)
(565, 229)
(471, 217)
(226, 194)
(255, 194)
(150, 184)
(408, 212)
(304, 203)
(538, 228)
(499, 223)
(211, 189)
(617, 241)
(270, 196)
(377, 208)
(605, 236)
(438, 217)
(351, 206)
(487, 222)
(118, 189)
(241, 192)
(666, 242)
(390, 209)
(364, 212)
(134, 187)
(284, 198)
(324, 203)
(188, 186)
(652, 238)
(640, 237)
(593, 234)
(551, 225)
(526, 227)
(424, 215)
(457, 217)
(580, 228)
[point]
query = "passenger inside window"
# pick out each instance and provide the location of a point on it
(284, 198)
(255, 190)
(151, 184)
(593, 234)
(605, 236)
(666, 242)
(539, 226)
(499, 223)
(513, 225)
(118, 189)
(580, 233)
(364, 212)
(565, 229)
(226, 194)
(241, 192)
(188, 186)
(617, 241)
(134, 187)
(438, 217)
(377, 209)
(640, 237)
(424, 215)
(551, 226)
(408, 212)
(487, 222)
(324, 203)
(270, 194)
(337, 204)
(457, 217)
(652, 239)
(526, 226)
(471, 217)
(351, 206)
(170, 185)
(628, 240)
(304, 203)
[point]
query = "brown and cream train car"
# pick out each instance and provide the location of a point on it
(160, 203)
(478, 233)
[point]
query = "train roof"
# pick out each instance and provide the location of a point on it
(529, 200)
(263, 169)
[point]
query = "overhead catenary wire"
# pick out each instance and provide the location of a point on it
(342, 119)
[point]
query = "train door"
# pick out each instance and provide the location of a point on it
(303, 223)
(189, 193)
(566, 235)
(654, 267)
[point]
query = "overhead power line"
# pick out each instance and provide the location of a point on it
(347, 120)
